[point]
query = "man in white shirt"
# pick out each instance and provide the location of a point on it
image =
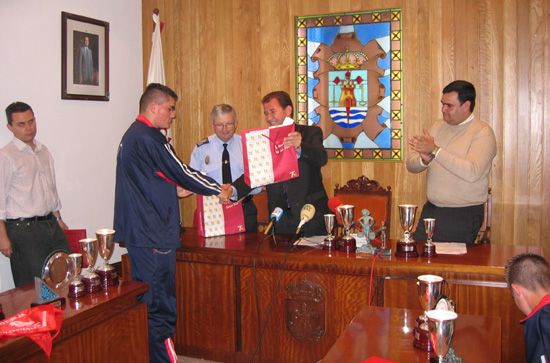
(30, 223)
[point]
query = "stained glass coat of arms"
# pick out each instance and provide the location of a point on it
(349, 82)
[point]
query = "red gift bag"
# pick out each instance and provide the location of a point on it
(216, 219)
(266, 160)
(40, 323)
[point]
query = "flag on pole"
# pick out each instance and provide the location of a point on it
(156, 61)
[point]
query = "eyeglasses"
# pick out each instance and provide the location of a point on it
(228, 125)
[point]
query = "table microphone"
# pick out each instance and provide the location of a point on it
(275, 217)
(306, 214)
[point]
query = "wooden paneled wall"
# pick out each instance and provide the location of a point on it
(235, 51)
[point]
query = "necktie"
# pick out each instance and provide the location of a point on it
(226, 166)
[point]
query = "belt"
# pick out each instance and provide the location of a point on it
(32, 219)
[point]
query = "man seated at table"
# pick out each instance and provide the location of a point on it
(528, 275)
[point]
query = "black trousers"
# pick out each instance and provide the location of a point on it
(32, 243)
(250, 215)
(451, 224)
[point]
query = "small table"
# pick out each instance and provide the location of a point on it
(107, 326)
(388, 333)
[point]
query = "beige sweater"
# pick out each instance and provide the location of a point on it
(458, 176)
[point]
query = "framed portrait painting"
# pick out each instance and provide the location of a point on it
(84, 58)
(349, 82)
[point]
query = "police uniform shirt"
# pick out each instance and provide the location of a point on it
(207, 157)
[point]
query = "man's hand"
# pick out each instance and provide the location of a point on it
(423, 144)
(62, 224)
(226, 193)
(294, 139)
(5, 247)
(182, 193)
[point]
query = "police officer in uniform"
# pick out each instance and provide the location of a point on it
(220, 156)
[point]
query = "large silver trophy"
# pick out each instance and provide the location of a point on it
(76, 286)
(347, 242)
(330, 220)
(441, 325)
(407, 246)
(429, 247)
(430, 288)
(89, 249)
(107, 273)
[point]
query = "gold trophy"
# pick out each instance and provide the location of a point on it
(107, 273)
(429, 291)
(76, 286)
(429, 247)
(407, 246)
(347, 242)
(89, 255)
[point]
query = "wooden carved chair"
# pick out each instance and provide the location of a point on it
(365, 193)
(484, 234)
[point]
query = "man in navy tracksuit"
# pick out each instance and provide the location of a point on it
(528, 275)
(149, 178)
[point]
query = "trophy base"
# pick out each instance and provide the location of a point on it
(429, 250)
(108, 276)
(406, 249)
(92, 283)
(329, 244)
(76, 289)
(422, 339)
(347, 244)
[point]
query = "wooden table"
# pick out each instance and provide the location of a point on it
(388, 333)
(240, 294)
(102, 327)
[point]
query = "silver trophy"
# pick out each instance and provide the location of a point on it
(330, 220)
(441, 325)
(429, 247)
(76, 286)
(407, 246)
(347, 242)
(430, 288)
(89, 248)
(107, 273)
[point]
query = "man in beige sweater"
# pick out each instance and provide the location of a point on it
(457, 154)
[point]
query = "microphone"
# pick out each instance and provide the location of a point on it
(275, 217)
(306, 213)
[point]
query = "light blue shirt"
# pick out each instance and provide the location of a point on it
(207, 158)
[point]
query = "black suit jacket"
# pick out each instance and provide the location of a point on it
(291, 195)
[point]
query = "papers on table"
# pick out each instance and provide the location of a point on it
(450, 248)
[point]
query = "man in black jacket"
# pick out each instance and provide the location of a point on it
(147, 217)
(291, 195)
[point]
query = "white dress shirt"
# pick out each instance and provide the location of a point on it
(27, 181)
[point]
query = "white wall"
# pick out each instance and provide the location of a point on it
(82, 135)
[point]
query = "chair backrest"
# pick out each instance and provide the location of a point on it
(73, 237)
(365, 193)
(484, 234)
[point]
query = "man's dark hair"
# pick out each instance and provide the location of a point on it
(155, 92)
(282, 97)
(528, 270)
(17, 107)
(466, 92)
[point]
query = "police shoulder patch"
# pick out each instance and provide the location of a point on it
(203, 142)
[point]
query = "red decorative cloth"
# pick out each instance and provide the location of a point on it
(40, 323)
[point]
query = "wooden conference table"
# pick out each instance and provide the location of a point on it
(238, 295)
(385, 333)
(97, 328)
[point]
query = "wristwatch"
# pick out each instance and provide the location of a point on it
(434, 152)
